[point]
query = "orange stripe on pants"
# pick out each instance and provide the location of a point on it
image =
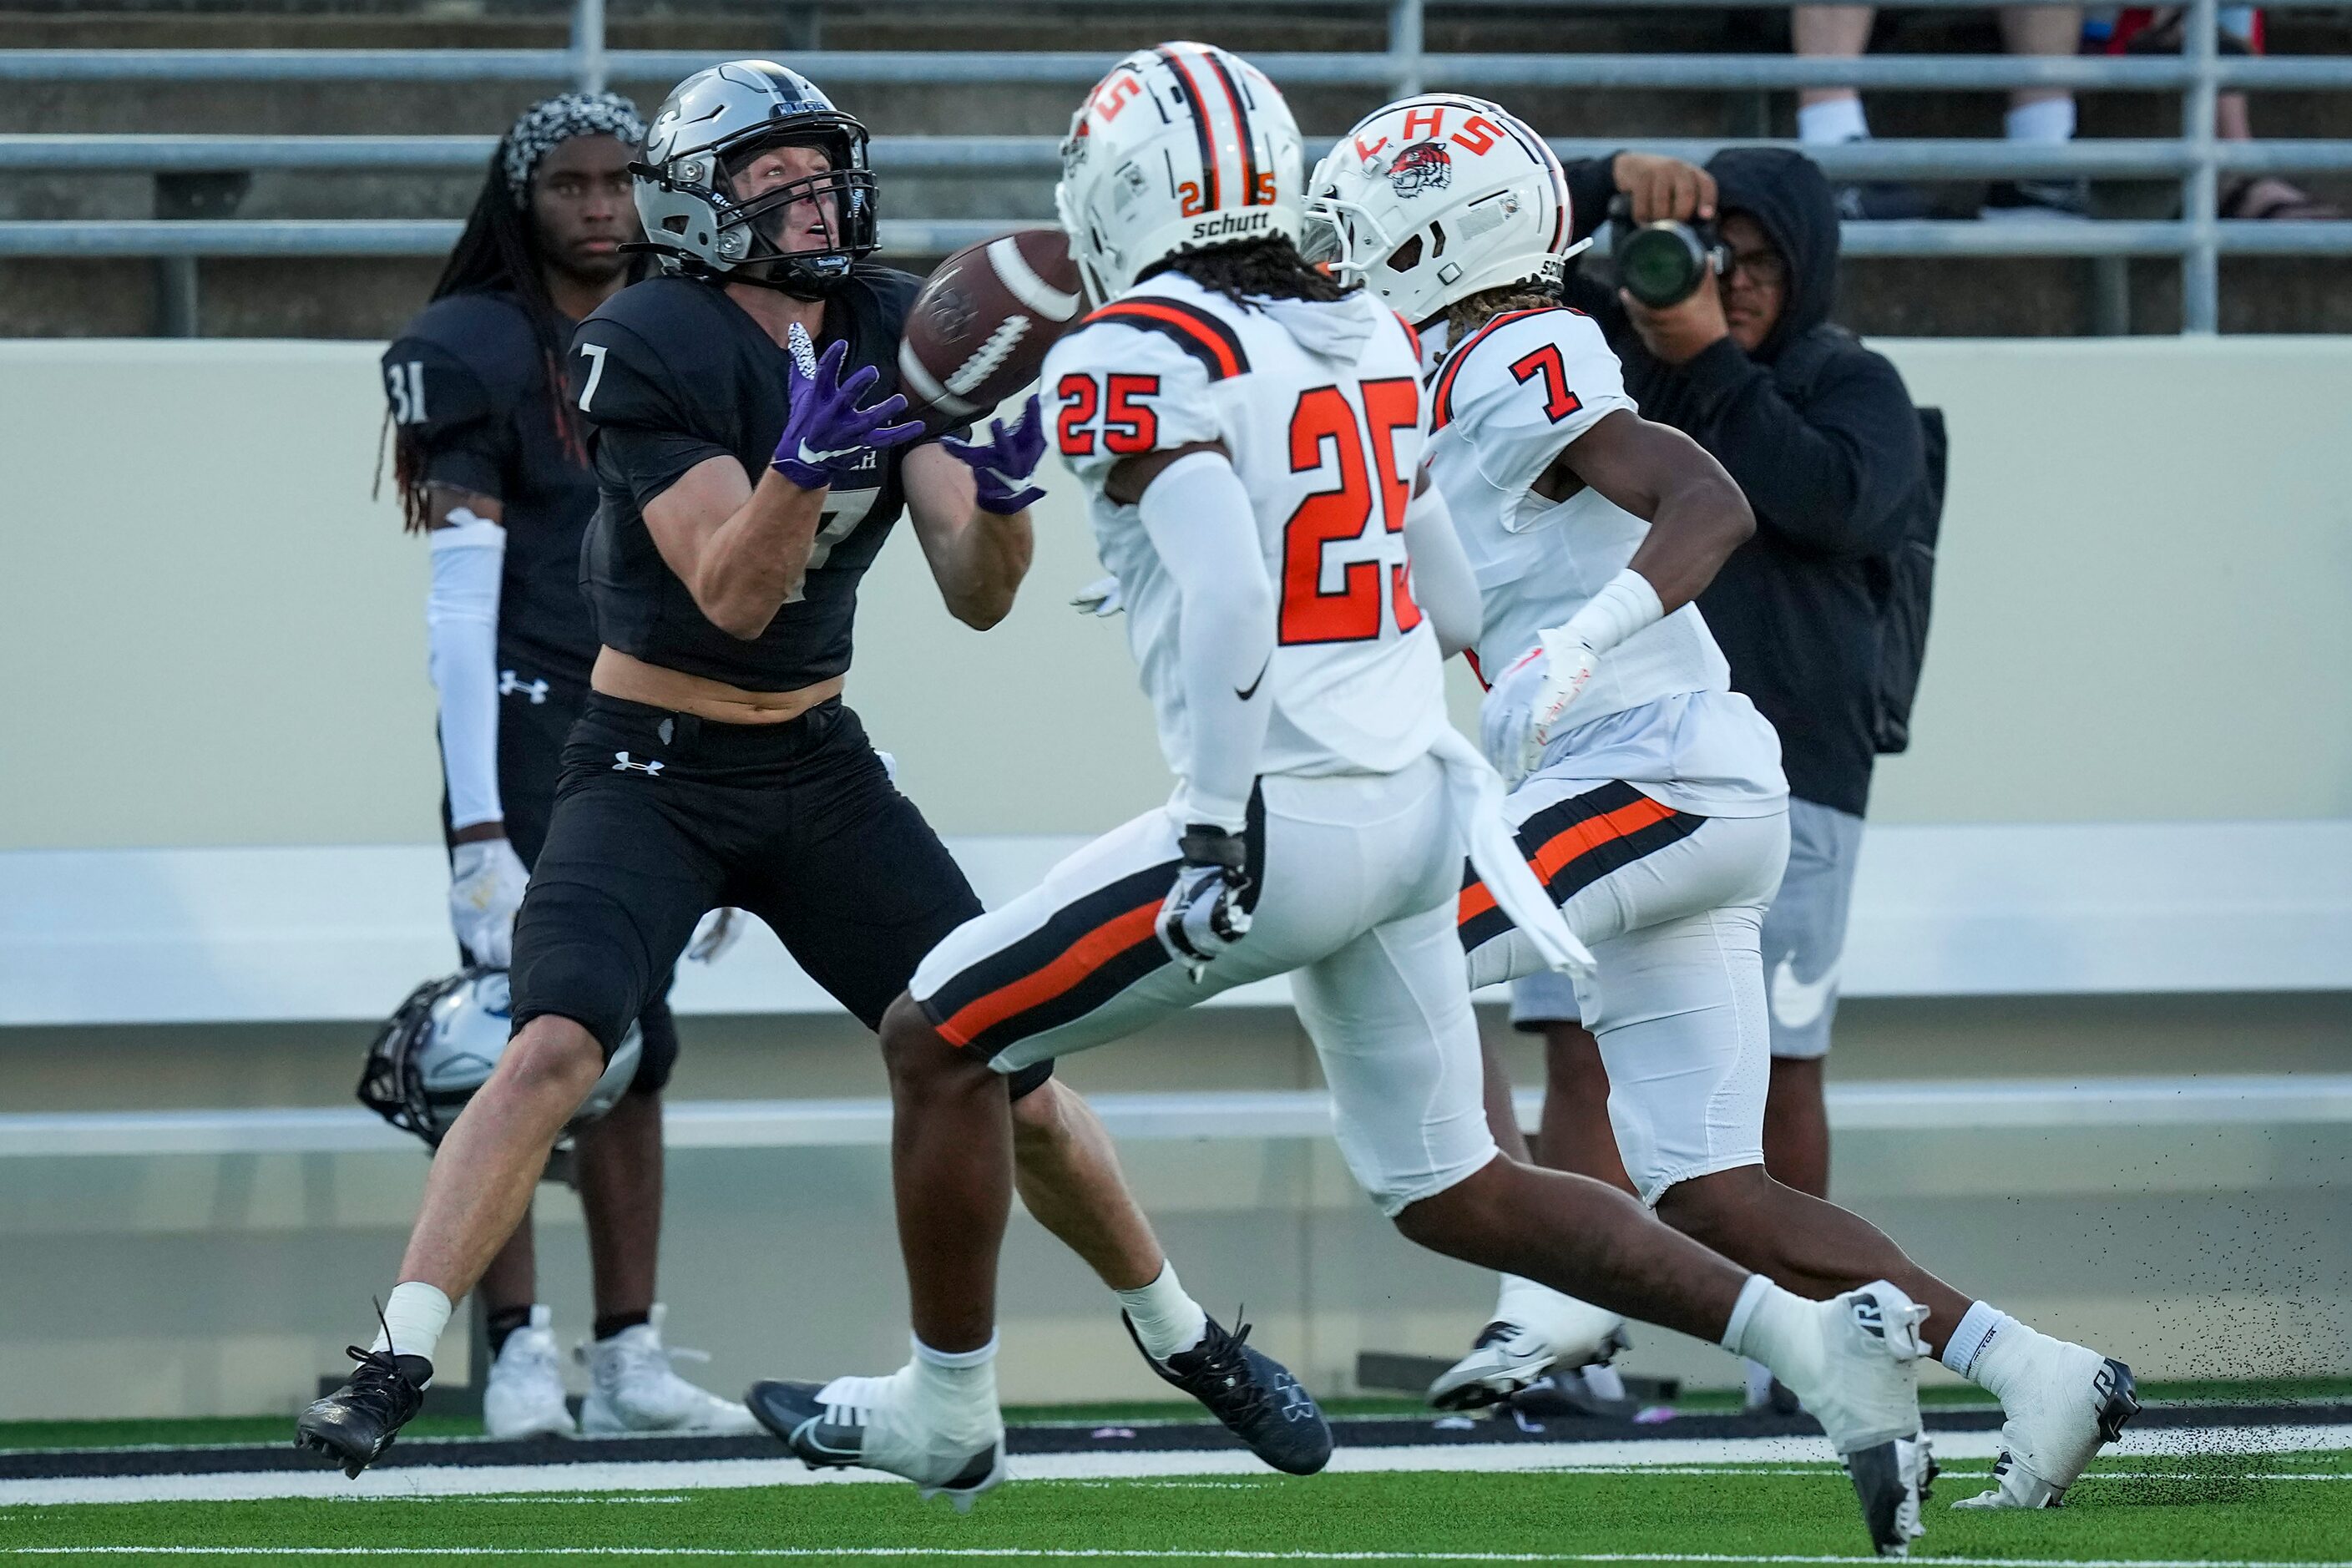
(1080, 958)
(1564, 848)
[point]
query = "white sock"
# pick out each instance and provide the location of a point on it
(957, 1379)
(1166, 1319)
(1522, 1304)
(1767, 1324)
(1832, 120)
(1977, 1326)
(2003, 1356)
(413, 1316)
(2047, 119)
(1759, 1382)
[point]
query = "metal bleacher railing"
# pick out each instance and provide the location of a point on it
(2197, 158)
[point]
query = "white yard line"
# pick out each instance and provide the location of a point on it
(698, 1475)
(1026, 1554)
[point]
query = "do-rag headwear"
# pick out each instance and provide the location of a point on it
(552, 122)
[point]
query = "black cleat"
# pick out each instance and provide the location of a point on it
(1254, 1394)
(354, 1425)
(832, 1436)
(1892, 1480)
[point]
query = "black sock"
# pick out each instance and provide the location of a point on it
(620, 1322)
(505, 1321)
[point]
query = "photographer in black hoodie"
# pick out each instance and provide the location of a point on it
(1821, 434)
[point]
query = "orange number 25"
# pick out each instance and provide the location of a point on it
(1325, 429)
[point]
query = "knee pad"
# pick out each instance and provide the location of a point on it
(658, 1054)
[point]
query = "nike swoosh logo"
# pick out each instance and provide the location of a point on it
(1254, 685)
(1798, 1003)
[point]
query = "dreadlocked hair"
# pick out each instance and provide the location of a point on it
(497, 250)
(1267, 268)
(1471, 312)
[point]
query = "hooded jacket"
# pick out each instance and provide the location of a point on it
(1831, 459)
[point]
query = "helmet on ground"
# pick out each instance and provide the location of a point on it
(1435, 198)
(713, 126)
(1182, 147)
(444, 1042)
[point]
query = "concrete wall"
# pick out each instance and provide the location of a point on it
(215, 636)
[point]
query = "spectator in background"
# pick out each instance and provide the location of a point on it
(1829, 115)
(492, 468)
(2139, 30)
(1821, 435)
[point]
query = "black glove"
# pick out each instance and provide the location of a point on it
(1203, 913)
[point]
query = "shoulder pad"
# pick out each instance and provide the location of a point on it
(489, 334)
(616, 376)
(432, 392)
(1127, 385)
(1558, 353)
(893, 291)
(1197, 331)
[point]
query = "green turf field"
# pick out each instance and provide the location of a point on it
(2278, 1508)
(235, 1429)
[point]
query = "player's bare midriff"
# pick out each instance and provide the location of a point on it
(632, 679)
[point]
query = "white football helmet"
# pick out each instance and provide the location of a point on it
(444, 1042)
(1436, 198)
(1180, 148)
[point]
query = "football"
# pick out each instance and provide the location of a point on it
(977, 331)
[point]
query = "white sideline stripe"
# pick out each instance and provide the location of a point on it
(1958, 1106)
(702, 1475)
(1025, 1553)
(344, 931)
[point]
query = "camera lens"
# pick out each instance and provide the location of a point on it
(1661, 264)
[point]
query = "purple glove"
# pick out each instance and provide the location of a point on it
(1004, 462)
(825, 433)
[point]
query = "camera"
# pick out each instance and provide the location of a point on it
(1662, 263)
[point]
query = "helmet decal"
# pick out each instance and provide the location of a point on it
(1423, 166)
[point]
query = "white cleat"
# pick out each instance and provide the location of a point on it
(634, 1388)
(879, 1423)
(1861, 1381)
(1511, 1354)
(2076, 1402)
(523, 1397)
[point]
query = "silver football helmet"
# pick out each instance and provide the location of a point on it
(709, 128)
(443, 1044)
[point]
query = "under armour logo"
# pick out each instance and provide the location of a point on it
(510, 684)
(1868, 1317)
(624, 763)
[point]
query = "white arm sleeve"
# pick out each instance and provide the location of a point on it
(1200, 523)
(1443, 583)
(461, 629)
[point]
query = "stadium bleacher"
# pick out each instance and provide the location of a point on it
(337, 148)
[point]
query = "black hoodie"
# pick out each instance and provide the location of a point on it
(1831, 469)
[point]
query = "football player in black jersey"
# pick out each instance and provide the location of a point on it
(751, 454)
(491, 463)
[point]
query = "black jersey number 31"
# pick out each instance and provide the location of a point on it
(405, 385)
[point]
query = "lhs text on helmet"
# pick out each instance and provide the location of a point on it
(1435, 198)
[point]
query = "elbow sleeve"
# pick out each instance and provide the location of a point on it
(1200, 523)
(461, 624)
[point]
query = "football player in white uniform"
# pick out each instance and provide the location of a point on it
(1249, 436)
(1647, 795)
